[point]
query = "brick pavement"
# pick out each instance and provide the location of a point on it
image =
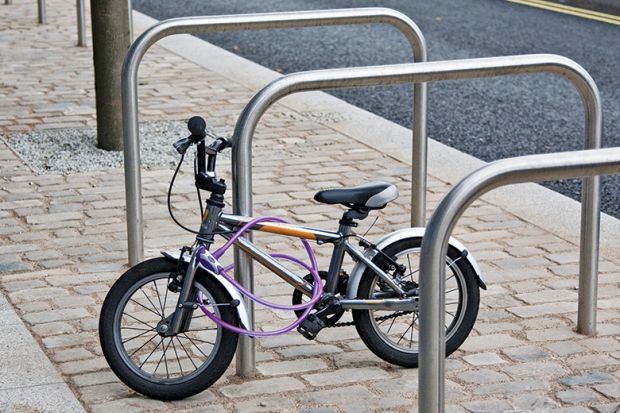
(63, 242)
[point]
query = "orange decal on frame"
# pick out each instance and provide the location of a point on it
(287, 230)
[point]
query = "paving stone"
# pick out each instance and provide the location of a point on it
(309, 350)
(68, 340)
(277, 368)
(607, 408)
(22, 285)
(554, 334)
(482, 376)
(526, 353)
(7, 267)
(266, 404)
(513, 387)
(255, 387)
(346, 375)
(483, 359)
(373, 404)
(573, 409)
(44, 293)
(535, 369)
(71, 354)
(547, 296)
(83, 366)
(488, 406)
(565, 348)
(53, 329)
(334, 395)
(100, 393)
(544, 309)
(56, 315)
(611, 390)
(533, 403)
(592, 361)
(90, 379)
(133, 405)
(490, 342)
(595, 377)
(603, 344)
(576, 396)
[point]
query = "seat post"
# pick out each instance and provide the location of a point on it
(335, 265)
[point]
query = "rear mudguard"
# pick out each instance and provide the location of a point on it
(242, 310)
(358, 269)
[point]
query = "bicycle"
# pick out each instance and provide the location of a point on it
(169, 326)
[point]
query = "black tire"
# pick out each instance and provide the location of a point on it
(147, 277)
(461, 285)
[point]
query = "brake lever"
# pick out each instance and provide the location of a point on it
(183, 144)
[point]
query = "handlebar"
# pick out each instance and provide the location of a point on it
(205, 155)
(198, 129)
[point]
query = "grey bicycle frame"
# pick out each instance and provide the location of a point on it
(342, 244)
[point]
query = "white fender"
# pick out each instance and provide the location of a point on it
(242, 310)
(358, 269)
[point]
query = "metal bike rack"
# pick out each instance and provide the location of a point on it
(318, 18)
(81, 22)
(533, 168)
(81, 17)
(416, 73)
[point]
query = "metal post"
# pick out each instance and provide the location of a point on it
(7, 2)
(130, 6)
(242, 204)
(533, 168)
(435, 71)
(81, 22)
(42, 12)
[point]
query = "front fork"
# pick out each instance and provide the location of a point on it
(179, 321)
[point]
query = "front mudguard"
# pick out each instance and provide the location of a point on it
(359, 268)
(234, 294)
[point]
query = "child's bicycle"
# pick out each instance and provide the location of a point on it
(169, 325)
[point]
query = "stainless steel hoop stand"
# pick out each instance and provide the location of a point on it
(42, 14)
(533, 168)
(81, 17)
(319, 18)
(81, 22)
(429, 72)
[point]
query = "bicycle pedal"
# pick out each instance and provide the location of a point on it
(311, 326)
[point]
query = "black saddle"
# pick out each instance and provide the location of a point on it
(373, 195)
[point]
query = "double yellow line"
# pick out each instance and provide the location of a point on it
(574, 11)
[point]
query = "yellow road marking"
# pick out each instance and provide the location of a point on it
(574, 11)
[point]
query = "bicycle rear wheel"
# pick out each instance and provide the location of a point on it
(160, 367)
(393, 335)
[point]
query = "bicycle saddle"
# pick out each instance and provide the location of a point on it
(373, 195)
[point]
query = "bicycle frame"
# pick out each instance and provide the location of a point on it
(341, 243)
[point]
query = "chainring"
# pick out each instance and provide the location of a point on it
(342, 288)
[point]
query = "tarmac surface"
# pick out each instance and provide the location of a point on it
(63, 243)
(489, 118)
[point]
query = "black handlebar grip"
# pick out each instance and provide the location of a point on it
(197, 127)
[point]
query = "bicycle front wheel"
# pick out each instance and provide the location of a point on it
(393, 335)
(160, 367)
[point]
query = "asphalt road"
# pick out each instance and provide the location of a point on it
(491, 118)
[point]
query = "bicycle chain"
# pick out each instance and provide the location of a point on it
(385, 317)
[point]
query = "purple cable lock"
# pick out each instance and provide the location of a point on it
(209, 261)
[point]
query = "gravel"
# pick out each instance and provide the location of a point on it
(64, 151)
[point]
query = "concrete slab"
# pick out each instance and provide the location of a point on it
(52, 398)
